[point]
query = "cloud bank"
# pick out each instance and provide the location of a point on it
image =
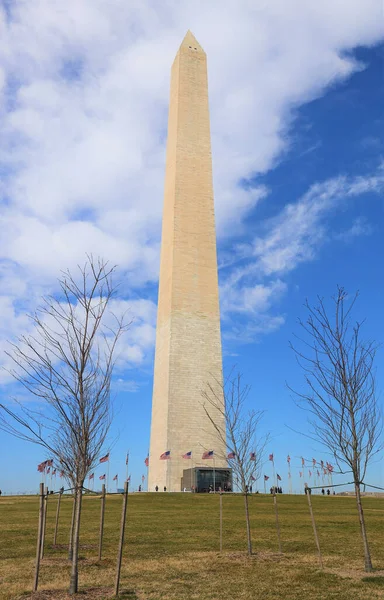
(83, 101)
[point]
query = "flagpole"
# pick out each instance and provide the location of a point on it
(169, 473)
(289, 475)
(126, 464)
(147, 465)
(193, 470)
(107, 474)
(214, 475)
(265, 489)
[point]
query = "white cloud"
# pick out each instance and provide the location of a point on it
(83, 108)
(359, 227)
(296, 233)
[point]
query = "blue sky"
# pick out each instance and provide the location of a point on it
(296, 102)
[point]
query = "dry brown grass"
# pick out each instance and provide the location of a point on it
(171, 550)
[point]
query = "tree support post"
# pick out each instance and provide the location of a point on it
(277, 522)
(70, 545)
(221, 521)
(57, 519)
(44, 522)
(121, 543)
(102, 510)
(308, 493)
(39, 537)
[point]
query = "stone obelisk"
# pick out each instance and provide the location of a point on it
(188, 342)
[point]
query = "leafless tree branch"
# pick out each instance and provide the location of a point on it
(340, 391)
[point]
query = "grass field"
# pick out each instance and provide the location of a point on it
(172, 543)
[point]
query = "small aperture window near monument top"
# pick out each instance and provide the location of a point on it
(192, 48)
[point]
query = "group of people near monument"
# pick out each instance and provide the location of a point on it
(276, 490)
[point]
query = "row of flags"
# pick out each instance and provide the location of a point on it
(326, 468)
(205, 456)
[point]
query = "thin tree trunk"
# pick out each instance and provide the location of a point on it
(39, 537)
(367, 554)
(249, 540)
(76, 533)
(70, 545)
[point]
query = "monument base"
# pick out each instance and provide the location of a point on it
(207, 479)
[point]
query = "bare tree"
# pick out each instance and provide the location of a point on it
(240, 436)
(67, 363)
(341, 393)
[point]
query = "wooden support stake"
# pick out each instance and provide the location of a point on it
(44, 522)
(121, 543)
(308, 494)
(39, 537)
(277, 522)
(102, 520)
(221, 521)
(57, 519)
(70, 545)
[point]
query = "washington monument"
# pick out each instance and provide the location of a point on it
(188, 342)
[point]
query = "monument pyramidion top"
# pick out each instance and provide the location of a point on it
(190, 43)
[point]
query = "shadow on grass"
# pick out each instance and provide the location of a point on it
(378, 580)
(95, 593)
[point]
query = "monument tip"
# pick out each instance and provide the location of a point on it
(190, 42)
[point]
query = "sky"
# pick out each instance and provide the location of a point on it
(296, 95)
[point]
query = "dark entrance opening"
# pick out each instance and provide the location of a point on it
(207, 479)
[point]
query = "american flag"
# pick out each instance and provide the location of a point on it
(300, 473)
(48, 470)
(54, 472)
(231, 455)
(252, 456)
(146, 462)
(187, 454)
(49, 463)
(278, 476)
(310, 473)
(271, 457)
(266, 477)
(129, 478)
(302, 461)
(102, 477)
(253, 478)
(127, 458)
(92, 476)
(207, 454)
(166, 455)
(41, 467)
(104, 458)
(288, 459)
(61, 473)
(314, 462)
(115, 478)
